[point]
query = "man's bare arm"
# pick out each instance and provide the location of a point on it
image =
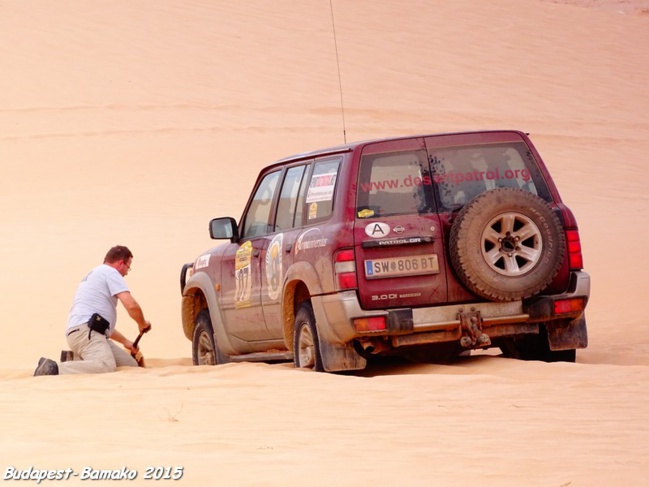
(118, 337)
(134, 310)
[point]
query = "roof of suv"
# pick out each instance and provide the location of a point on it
(352, 145)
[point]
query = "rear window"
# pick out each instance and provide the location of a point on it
(461, 173)
(393, 184)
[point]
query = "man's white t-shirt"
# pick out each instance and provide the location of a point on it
(97, 293)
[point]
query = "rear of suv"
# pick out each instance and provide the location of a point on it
(423, 247)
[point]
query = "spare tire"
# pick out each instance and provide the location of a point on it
(506, 244)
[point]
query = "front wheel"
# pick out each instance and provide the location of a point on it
(204, 349)
(306, 346)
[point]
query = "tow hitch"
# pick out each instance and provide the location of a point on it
(472, 334)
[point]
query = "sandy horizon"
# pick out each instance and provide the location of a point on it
(135, 123)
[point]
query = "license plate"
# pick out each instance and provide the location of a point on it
(401, 266)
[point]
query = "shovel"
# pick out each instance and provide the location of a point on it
(138, 355)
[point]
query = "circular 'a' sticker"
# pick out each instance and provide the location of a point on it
(377, 230)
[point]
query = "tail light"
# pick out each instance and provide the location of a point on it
(345, 269)
(370, 323)
(574, 249)
(569, 306)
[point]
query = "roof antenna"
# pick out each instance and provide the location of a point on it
(340, 84)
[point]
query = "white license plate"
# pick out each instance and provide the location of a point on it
(401, 266)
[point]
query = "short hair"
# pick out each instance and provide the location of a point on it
(117, 253)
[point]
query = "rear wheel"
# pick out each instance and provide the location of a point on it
(536, 347)
(204, 349)
(306, 346)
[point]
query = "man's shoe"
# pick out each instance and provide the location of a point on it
(67, 356)
(46, 367)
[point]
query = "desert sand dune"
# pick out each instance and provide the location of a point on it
(135, 123)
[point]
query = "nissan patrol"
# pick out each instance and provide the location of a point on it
(424, 247)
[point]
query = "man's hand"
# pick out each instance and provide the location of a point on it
(128, 344)
(146, 328)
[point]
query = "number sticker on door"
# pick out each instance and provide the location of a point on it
(242, 276)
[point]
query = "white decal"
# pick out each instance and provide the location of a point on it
(202, 261)
(274, 271)
(377, 230)
(321, 188)
(315, 241)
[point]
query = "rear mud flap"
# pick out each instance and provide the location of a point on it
(338, 357)
(562, 336)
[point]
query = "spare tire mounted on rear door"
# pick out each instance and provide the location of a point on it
(507, 244)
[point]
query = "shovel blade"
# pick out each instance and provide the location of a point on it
(139, 359)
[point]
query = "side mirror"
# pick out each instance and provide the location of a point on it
(224, 228)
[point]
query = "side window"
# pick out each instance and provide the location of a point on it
(289, 214)
(257, 218)
(320, 193)
(462, 173)
(394, 183)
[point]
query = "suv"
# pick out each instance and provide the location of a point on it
(424, 247)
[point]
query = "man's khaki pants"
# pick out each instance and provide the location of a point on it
(98, 354)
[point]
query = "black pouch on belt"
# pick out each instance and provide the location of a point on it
(97, 323)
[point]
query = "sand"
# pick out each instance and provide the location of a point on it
(135, 123)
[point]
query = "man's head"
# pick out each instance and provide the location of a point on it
(120, 258)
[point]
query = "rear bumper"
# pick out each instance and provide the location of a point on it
(412, 326)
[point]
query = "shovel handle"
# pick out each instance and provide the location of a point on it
(137, 340)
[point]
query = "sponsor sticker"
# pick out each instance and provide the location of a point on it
(313, 211)
(242, 276)
(274, 271)
(321, 188)
(202, 261)
(365, 213)
(311, 239)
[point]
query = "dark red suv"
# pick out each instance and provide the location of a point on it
(424, 247)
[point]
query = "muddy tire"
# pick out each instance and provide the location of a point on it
(506, 244)
(306, 345)
(536, 347)
(204, 348)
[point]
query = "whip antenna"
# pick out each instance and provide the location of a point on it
(340, 83)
